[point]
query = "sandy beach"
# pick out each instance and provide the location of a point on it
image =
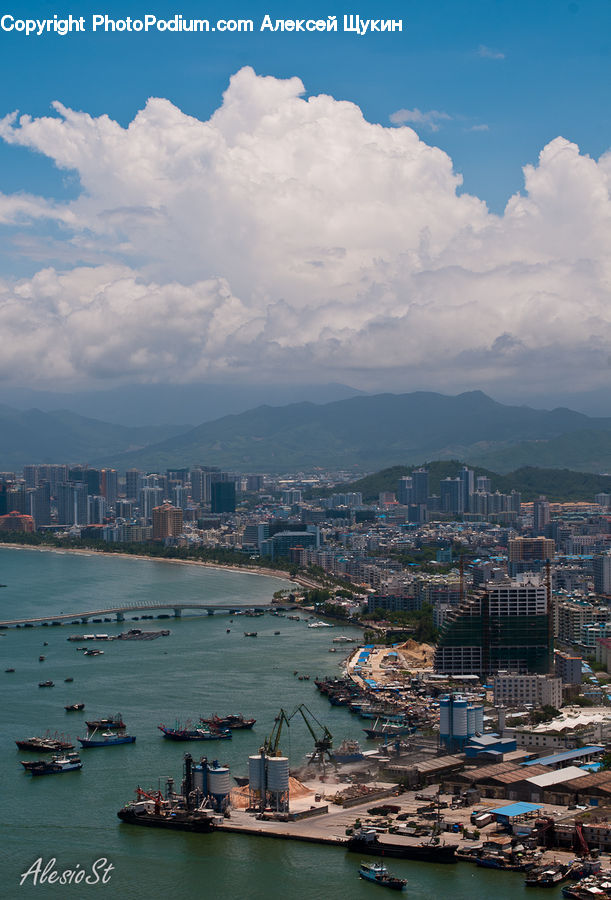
(250, 570)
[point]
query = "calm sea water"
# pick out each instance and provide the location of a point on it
(198, 670)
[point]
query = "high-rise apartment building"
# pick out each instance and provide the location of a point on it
(420, 486)
(133, 483)
(109, 485)
(452, 497)
(502, 628)
(167, 521)
(222, 497)
(529, 554)
(72, 503)
(541, 515)
(602, 573)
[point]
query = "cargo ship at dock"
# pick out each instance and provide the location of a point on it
(368, 842)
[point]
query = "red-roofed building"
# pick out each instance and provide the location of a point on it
(16, 521)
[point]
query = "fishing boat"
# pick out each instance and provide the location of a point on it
(67, 763)
(379, 874)
(46, 744)
(548, 876)
(348, 751)
(115, 722)
(230, 721)
(75, 707)
(388, 729)
(106, 739)
(195, 734)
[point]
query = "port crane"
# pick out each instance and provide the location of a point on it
(323, 741)
(270, 744)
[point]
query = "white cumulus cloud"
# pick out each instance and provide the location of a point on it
(287, 236)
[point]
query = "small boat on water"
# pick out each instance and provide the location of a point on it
(74, 707)
(41, 658)
(250, 634)
(230, 721)
(115, 722)
(379, 874)
(195, 734)
(46, 684)
(9, 670)
(68, 680)
(93, 653)
(67, 763)
(106, 739)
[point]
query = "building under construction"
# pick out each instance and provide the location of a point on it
(505, 627)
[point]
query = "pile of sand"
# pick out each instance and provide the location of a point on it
(417, 655)
(240, 796)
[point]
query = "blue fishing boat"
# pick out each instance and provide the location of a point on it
(106, 739)
(379, 874)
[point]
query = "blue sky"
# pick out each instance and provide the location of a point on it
(252, 225)
(529, 70)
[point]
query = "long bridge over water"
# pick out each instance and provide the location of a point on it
(81, 618)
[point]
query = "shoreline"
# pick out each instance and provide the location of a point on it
(249, 570)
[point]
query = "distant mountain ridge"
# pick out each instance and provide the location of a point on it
(373, 431)
(33, 436)
(362, 432)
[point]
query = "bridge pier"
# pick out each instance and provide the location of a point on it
(120, 617)
(210, 612)
(177, 613)
(84, 620)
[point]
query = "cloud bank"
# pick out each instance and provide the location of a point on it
(289, 237)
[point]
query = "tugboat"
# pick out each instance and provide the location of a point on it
(106, 739)
(58, 764)
(195, 734)
(379, 874)
(114, 722)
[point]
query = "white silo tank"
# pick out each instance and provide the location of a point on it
(198, 778)
(479, 719)
(256, 772)
(470, 721)
(218, 781)
(459, 719)
(444, 717)
(277, 774)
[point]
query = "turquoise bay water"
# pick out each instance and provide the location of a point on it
(198, 670)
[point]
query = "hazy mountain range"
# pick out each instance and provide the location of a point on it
(361, 432)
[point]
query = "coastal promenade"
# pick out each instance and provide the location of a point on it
(81, 618)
